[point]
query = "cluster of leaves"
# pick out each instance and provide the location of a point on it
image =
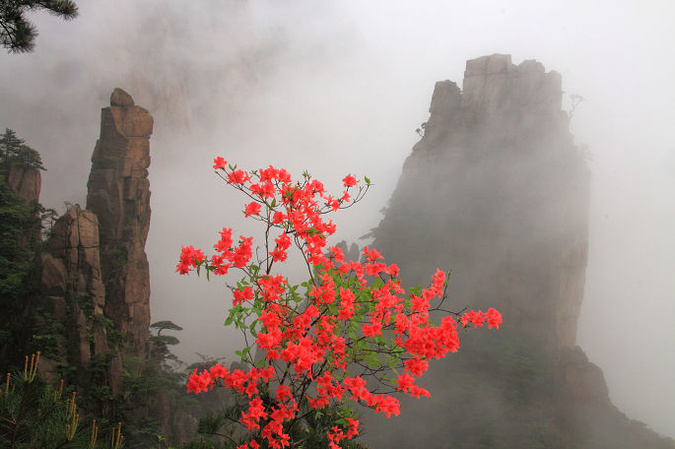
(35, 415)
(350, 333)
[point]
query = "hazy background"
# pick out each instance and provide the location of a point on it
(339, 87)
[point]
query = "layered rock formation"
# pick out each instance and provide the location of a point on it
(93, 283)
(497, 192)
(498, 183)
(73, 294)
(119, 194)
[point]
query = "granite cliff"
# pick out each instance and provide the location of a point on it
(93, 279)
(119, 194)
(73, 296)
(26, 182)
(497, 191)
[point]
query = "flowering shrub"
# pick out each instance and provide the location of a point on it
(350, 333)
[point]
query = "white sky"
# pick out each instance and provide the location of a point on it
(338, 87)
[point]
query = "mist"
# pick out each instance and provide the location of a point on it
(340, 87)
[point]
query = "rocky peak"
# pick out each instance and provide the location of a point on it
(497, 192)
(493, 85)
(506, 190)
(121, 98)
(119, 194)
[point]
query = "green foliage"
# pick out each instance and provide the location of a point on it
(143, 379)
(14, 151)
(36, 415)
(21, 227)
(155, 381)
(84, 302)
(165, 325)
(20, 224)
(17, 221)
(159, 345)
(47, 334)
(115, 258)
(314, 425)
(17, 34)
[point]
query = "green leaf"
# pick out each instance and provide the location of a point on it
(243, 353)
(372, 360)
(260, 363)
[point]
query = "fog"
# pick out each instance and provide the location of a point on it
(340, 87)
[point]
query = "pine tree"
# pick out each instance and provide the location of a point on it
(35, 415)
(14, 151)
(17, 34)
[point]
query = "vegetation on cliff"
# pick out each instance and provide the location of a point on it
(21, 221)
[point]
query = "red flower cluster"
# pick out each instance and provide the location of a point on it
(492, 317)
(220, 263)
(336, 434)
(189, 258)
(354, 319)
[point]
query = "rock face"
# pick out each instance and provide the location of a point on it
(92, 282)
(25, 181)
(72, 292)
(497, 182)
(119, 194)
(497, 192)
